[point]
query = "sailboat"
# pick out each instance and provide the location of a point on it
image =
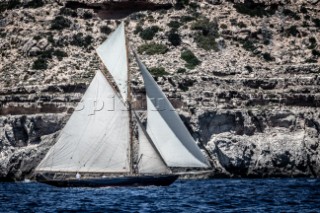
(96, 148)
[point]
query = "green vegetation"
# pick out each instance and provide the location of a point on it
(255, 9)
(87, 15)
(152, 49)
(59, 54)
(60, 23)
(174, 38)
(316, 21)
(208, 28)
(180, 4)
(37, 37)
(105, 29)
(266, 56)
(315, 52)
(34, 3)
(138, 29)
(291, 14)
(40, 64)
(81, 41)
(193, 5)
(248, 45)
(223, 26)
(3, 34)
(174, 25)
(311, 60)
(9, 5)
(207, 33)
(242, 25)
(249, 68)
(233, 21)
(293, 31)
(181, 70)
(190, 58)
(149, 32)
(206, 42)
(303, 9)
(158, 71)
(313, 43)
(68, 12)
(185, 19)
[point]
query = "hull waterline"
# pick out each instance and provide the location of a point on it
(161, 180)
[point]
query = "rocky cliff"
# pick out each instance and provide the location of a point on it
(243, 75)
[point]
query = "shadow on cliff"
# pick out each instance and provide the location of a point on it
(118, 9)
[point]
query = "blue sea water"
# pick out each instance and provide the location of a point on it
(218, 195)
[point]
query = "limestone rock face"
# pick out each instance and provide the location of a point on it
(23, 142)
(251, 102)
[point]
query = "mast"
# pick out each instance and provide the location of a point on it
(129, 98)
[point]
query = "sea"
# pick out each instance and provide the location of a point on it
(216, 195)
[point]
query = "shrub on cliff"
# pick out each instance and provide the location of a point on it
(34, 3)
(255, 9)
(266, 56)
(315, 52)
(152, 49)
(174, 38)
(81, 41)
(68, 12)
(138, 29)
(190, 58)
(207, 33)
(174, 25)
(248, 45)
(60, 23)
(87, 15)
(105, 29)
(180, 4)
(291, 14)
(206, 42)
(59, 54)
(185, 19)
(157, 71)
(40, 64)
(13, 4)
(316, 21)
(181, 70)
(313, 43)
(149, 32)
(206, 26)
(293, 31)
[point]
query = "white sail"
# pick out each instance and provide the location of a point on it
(96, 137)
(149, 159)
(113, 53)
(166, 129)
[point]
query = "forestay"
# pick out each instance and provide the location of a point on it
(150, 161)
(113, 53)
(166, 129)
(96, 137)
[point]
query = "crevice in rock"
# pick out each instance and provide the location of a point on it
(118, 9)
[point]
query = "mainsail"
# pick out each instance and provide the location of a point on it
(113, 53)
(167, 131)
(96, 137)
